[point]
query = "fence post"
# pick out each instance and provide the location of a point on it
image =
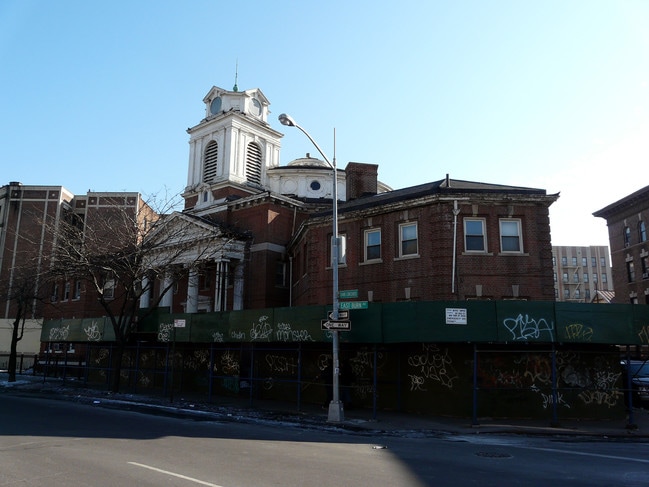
(474, 415)
(555, 392)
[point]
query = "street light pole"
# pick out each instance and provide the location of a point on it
(336, 412)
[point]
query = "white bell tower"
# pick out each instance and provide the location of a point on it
(232, 148)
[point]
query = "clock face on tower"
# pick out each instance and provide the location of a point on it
(215, 106)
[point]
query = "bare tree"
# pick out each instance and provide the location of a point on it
(23, 292)
(123, 248)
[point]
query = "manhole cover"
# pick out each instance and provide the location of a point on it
(493, 454)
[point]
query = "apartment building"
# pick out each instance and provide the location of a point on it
(582, 274)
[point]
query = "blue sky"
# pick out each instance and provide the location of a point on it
(553, 94)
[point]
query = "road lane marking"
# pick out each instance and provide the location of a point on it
(184, 477)
(586, 454)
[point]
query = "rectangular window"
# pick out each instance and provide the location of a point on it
(564, 261)
(55, 293)
(510, 236)
(408, 239)
(593, 261)
(474, 235)
(109, 289)
(280, 273)
(604, 277)
(66, 291)
(77, 290)
(645, 268)
(372, 244)
(555, 277)
(566, 294)
(574, 261)
(594, 276)
(585, 274)
(577, 294)
(584, 262)
(565, 278)
(630, 271)
(575, 278)
(587, 294)
(602, 261)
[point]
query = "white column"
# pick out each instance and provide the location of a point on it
(237, 303)
(218, 283)
(145, 299)
(192, 292)
(167, 298)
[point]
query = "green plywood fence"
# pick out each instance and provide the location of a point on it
(415, 322)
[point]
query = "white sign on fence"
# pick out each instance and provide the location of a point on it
(456, 316)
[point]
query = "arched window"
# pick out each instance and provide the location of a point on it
(642, 231)
(253, 163)
(209, 161)
(627, 236)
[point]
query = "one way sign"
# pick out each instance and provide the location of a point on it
(343, 325)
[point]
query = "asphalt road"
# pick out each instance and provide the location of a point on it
(45, 442)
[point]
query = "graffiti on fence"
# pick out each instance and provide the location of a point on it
(432, 364)
(262, 330)
(527, 328)
(230, 363)
(644, 334)
(92, 332)
(579, 332)
(281, 364)
(285, 333)
(59, 333)
(164, 332)
(237, 335)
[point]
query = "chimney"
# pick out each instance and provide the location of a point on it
(362, 180)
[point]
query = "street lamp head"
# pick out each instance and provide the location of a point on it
(285, 119)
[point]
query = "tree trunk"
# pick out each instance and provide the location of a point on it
(13, 353)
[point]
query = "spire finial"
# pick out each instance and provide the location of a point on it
(236, 75)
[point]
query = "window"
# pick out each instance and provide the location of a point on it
(474, 235)
(585, 276)
(566, 294)
(584, 261)
(408, 239)
(510, 236)
(372, 244)
(564, 261)
(593, 261)
(577, 294)
(554, 261)
(565, 278)
(109, 289)
(594, 276)
(627, 236)
(604, 277)
(209, 161)
(630, 271)
(77, 290)
(645, 267)
(280, 273)
(574, 261)
(602, 261)
(575, 278)
(642, 232)
(55, 293)
(555, 277)
(587, 294)
(253, 163)
(66, 291)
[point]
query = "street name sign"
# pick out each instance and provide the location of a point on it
(343, 325)
(349, 294)
(353, 305)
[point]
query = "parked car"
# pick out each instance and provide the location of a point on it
(639, 372)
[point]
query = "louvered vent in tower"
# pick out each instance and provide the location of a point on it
(253, 163)
(209, 161)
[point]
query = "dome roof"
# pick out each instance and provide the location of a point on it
(308, 161)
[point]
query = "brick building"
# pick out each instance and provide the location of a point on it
(627, 221)
(443, 240)
(582, 274)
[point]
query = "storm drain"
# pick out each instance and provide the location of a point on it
(493, 454)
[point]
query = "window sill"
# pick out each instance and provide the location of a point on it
(477, 252)
(407, 257)
(514, 254)
(370, 262)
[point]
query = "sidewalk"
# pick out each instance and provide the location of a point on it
(357, 421)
